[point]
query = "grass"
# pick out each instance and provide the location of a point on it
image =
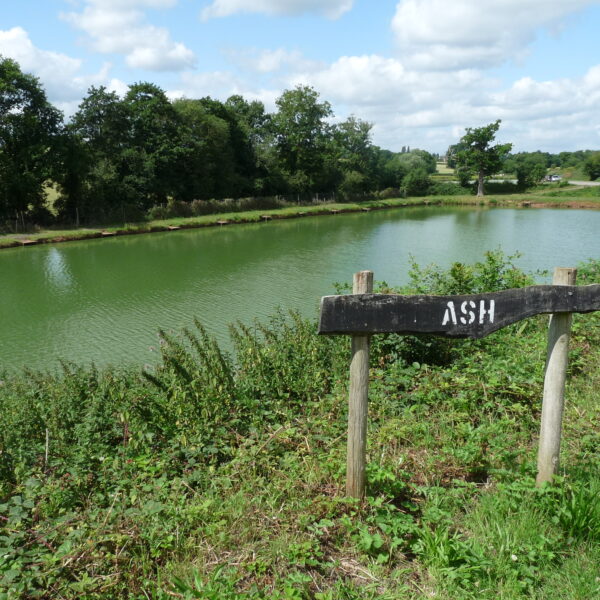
(546, 195)
(443, 169)
(221, 477)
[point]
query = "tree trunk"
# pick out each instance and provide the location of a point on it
(480, 184)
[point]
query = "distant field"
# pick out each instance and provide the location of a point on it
(52, 194)
(443, 169)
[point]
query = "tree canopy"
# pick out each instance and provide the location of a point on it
(120, 157)
(478, 155)
(29, 130)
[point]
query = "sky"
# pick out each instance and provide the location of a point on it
(420, 71)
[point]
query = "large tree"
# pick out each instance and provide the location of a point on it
(29, 126)
(478, 155)
(207, 167)
(302, 136)
(91, 180)
(154, 145)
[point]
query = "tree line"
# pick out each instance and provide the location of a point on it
(120, 158)
(117, 157)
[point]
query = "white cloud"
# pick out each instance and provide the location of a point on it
(116, 26)
(431, 109)
(377, 82)
(222, 84)
(273, 61)
(60, 74)
(433, 34)
(332, 9)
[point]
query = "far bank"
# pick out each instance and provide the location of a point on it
(577, 197)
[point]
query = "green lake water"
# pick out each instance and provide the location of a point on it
(105, 300)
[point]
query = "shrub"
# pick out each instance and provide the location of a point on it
(448, 189)
(416, 183)
(501, 187)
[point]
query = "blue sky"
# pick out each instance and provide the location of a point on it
(419, 70)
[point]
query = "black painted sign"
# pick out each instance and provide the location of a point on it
(469, 316)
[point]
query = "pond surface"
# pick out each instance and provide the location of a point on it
(105, 300)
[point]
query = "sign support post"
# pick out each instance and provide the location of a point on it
(559, 333)
(358, 400)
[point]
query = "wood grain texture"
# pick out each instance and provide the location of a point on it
(469, 316)
(559, 333)
(358, 401)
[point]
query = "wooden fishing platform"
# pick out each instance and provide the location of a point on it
(28, 242)
(173, 227)
(108, 233)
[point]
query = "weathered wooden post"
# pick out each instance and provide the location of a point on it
(559, 333)
(358, 399)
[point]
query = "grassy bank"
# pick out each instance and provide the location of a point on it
(544, 196)
(221, 477)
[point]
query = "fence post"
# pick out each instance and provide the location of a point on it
(559, 333)
(358, 399)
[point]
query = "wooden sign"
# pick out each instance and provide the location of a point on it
(472, 316)
(363, 313)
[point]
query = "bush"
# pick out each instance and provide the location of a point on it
(416, 183)
(448, 189)
(501, 187)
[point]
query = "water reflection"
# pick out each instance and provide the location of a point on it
(58, 275)
(105, 300)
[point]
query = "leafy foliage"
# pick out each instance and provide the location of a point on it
(219, 475)
(478, 155)
(29, 128)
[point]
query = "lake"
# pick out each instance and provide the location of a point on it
(105, 300)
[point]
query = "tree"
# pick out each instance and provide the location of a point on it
(592, 166)
(72, 174)
(353, 144)
(154, 145)
(207, 168)
(29, 127)
(353, 156)
(302, 134)
(478, 155)
(92, 185)
(418, 159)
(530, 170)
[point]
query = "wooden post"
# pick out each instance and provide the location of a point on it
(559, 333)
(358, 399)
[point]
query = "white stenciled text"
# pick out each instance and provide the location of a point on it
(468, 312)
